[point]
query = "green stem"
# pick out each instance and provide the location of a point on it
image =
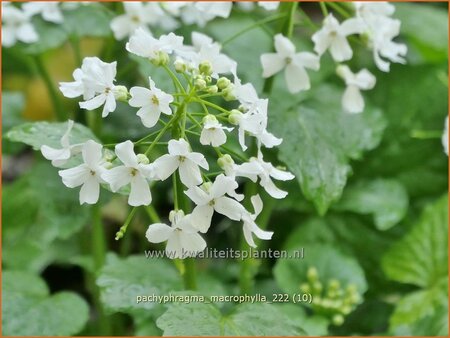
(75, 43)
(324, 9)
(98, 247)
(161, 133)
(94, 121)
(255, 25)
(124, 227)
(54, 95)
(175, 79)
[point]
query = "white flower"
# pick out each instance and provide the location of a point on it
(152, 102)
(445, 137)
(382, 31)
(293, 63)
(254, 121)
(213, 132)
(136, 15)
(95, 81)
(133, 171)
(256, 167)
(182, 238)
(16, 26)
(88, 174)
(49, 10)
(201, 12)
(269, 5)
(180, 157)
(333, 36)
(143, 44)
(250, 226)
(210, 199)
(60, 156)
(352, 100)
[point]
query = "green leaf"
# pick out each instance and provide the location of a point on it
(386, 199)
(51, 36)
(329, 262)
(37, 134)
(28, 310)
(122, 280)
(13, 105)
(90, 20)
(320, 140)
(430, 33)
(28, 232)
(418, 306)
(247, 319)
(312, 325)
(421, 257)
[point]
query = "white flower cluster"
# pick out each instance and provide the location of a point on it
(372, 21)
(166, 15)
(202, 66)
(16, 21)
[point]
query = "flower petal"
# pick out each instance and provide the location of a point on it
(165, 166)
(229, 207)
(90, 191)
(140, 192)
(158, 232)
(125, 153)
(117, 177)
(201, 217)
(190, 173)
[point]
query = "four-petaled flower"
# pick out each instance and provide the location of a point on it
(135, 171)
(352, 100)
(182, 238)
(152, 102)
(182, 158)
(88, 174)
(210, 198)
(333, 36)
(213, 132)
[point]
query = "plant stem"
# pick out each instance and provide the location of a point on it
(54, 96)
(98, 247)
(75, 43)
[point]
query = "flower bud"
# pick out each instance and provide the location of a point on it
(334, 284)
(121, 93)
(207, 78)
(305, 288)
(205, 68)
(212, 89)
(317, 287)
(337, 320)
(228, 93)
(226, 163)
(223, 83)
(209, 118)
(180, 66)
(235, 117)
(142, 159)
(108, 165)
(206, 186)
(199, 83)
(175, 215)
(312, 274)
(161, 59)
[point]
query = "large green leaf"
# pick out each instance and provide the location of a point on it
(13, 104)
(37, 134)
(51, 36)
(122, 280)
(90, 20)
(430, 33)
(247, 319)
(386, 199)
(421, 257)
(320, 140)
(31, 230)
(329, 262)
(28, 309)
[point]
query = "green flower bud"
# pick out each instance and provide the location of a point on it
(121, 93)
(108, 165)
(175, 214)
(337, 320)
(199, 83)
(228, 93)
(225, 161)
(312, 274)
(305, 288)
(345, 310)
(317, 287)
(223, 83)
(161, 59)
(206, 186)
(212, 89)
(234, 117)
(205, 68)
(142, 159)
(334, 284)
(180, 66)
(207, 78)
(209, 118)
